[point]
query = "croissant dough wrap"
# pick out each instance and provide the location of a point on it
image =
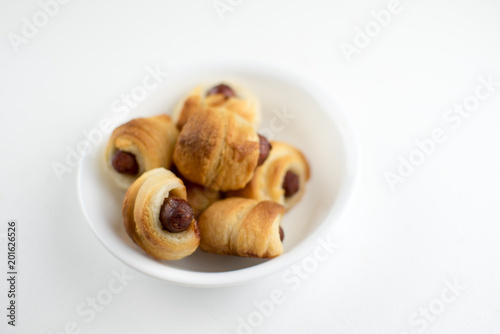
(217, 149)
(151, 140)
(241, 226)
(141, 216)
(245, 104)
(267, 182)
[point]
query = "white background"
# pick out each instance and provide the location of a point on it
(396, 248)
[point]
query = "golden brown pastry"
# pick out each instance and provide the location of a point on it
(158, 217)
(229, 96)
(138, 146)
(200, 197)
(219, 150)
(242, 226)
(282, 177)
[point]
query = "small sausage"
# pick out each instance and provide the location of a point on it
(282, 234)
(125, 163)
(222, 89)
(290, 183)
(176, 214)
(264, 149)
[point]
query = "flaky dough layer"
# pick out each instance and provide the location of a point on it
(267, 181)
(245, 104)
(141, 216)
(217, 149)
(151, 140)
(242, 226)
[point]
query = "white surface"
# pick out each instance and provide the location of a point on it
(396, 248)
(303, 109)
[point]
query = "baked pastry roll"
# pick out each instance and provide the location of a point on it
(242, 226)
(282, 177)
(158, 217)
(138, 146)
(231, 97)
(219, 150)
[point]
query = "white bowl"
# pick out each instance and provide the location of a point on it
(319, 129)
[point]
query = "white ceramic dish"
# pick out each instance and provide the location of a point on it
(318, 128)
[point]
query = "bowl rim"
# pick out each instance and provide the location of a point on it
(303, 248)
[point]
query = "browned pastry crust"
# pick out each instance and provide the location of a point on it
(141, 212)
(200, 197)
(151, 140)
(241, 226)
(217, 149)
(245, 104)
(267, 181)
